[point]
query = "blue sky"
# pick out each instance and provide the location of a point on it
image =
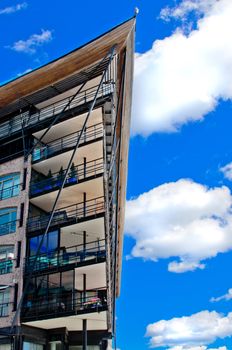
(177, 253)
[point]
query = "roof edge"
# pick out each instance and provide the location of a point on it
(66, 54)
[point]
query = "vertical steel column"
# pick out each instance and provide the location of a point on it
(84, 166)
(84, 204)
(84, 335)
(84, 244)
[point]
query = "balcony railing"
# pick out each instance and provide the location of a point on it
(91, 251)
(15, 124)
(8, 227)
(9, 192)
(58, 305)
(6, 266)
(63, 144)
(68, 215)
(77, 174)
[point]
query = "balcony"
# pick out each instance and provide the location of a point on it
(68, 142)
(58, 305)
(15, 124)
(69, 215)
(79, 255)
(77, 174)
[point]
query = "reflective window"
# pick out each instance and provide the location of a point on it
(6, 259)
(9, 185)
(8, 217)
(5, 346)
(50, 243)
(32, 346)
(55, 345)
(89, 347)
(4, 300)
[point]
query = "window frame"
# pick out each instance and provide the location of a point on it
(10, 225)
(13, 189)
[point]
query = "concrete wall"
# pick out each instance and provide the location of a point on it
(16, 165)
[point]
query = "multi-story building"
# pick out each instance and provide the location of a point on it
(64, 135)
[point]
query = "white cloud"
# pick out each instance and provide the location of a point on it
(227, 171)
(190, 332)
(12, 9)
(197, 348)
(185, 7)
(227, 296)
(182, 220)
(183, 77)
(24, 72)
(35, 40)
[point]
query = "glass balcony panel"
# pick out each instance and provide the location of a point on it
(67, 255)
(67, 142)
(60, 303)
(77, 173)
(14, 125)
(68, 215)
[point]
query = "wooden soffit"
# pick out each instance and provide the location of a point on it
(59, 69)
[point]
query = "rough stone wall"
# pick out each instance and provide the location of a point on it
(13, 166)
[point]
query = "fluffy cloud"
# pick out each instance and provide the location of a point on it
(227, 296)
(185, 7)
(190, 332)
(227, 171)
(12, 9)
(182, 220)
(183, 77)
(197, 348)
(24, 72)
(35, 40)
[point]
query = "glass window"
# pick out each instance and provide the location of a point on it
(6, 259)
(8, 217)
(5, 346)
(55, 345)
(4, 301)
(32, 346)
(50, 243)
(9, 185)
(89, 347)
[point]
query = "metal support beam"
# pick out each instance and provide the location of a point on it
(84, 335)
(84, 204)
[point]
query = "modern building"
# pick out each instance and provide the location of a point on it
(64, 136)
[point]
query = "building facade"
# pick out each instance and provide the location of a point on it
(64, 136)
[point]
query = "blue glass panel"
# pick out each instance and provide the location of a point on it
(8, 218)
(9, 185)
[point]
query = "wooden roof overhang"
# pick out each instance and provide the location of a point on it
(56, 71)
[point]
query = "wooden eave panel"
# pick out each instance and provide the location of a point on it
(124, 150)
(66, 65)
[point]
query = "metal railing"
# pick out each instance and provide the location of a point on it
(67, 255)
(63, 302)
(9, 192)
(8, 227)
(68, 215)
(15, 124)
(6, 266)
(67, 142)
(76, 174)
